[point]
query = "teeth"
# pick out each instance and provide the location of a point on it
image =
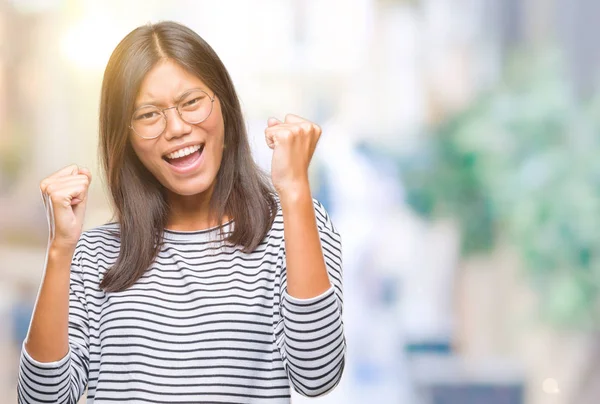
(186, 151)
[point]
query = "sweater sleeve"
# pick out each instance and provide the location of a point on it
(309, 332)
(63, 381)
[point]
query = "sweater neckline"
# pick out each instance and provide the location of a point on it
(198, 235)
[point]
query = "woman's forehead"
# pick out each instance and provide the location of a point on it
(166, 82)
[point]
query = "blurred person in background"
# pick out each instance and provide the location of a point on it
(214, 283)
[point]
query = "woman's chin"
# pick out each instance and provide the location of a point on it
(187, 189)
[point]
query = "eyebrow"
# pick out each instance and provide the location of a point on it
(153, 102)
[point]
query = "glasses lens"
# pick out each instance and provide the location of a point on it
(148, 122)
(195, 107)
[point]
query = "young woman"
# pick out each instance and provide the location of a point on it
(211, 286)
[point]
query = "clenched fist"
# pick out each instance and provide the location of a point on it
(293, 142)
(65, 197)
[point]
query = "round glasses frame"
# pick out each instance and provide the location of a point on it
(176, 106)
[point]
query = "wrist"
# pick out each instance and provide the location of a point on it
(294, 191)
(58, 250)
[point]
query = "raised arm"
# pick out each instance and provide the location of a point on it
(54, 359)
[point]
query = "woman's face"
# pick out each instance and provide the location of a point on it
(195, 173)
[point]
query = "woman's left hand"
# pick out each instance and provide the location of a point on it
(293, 142)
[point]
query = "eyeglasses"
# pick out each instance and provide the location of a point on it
(149, 121)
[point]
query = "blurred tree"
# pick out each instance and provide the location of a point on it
(522, 162)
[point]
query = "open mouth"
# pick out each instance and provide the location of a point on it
(184, 157)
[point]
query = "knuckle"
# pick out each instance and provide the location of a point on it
(54, 197)
(306, 126)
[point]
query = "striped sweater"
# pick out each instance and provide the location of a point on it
(207, 323)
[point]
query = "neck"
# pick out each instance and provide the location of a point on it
(190, 213)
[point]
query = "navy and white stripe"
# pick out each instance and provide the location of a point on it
(206, 323)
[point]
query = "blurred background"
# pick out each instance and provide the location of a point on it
(458, 161)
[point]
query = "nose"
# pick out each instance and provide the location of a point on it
(176, 126)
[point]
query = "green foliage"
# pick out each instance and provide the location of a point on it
(523, 162)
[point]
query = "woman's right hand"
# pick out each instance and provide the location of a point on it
(65, 197)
